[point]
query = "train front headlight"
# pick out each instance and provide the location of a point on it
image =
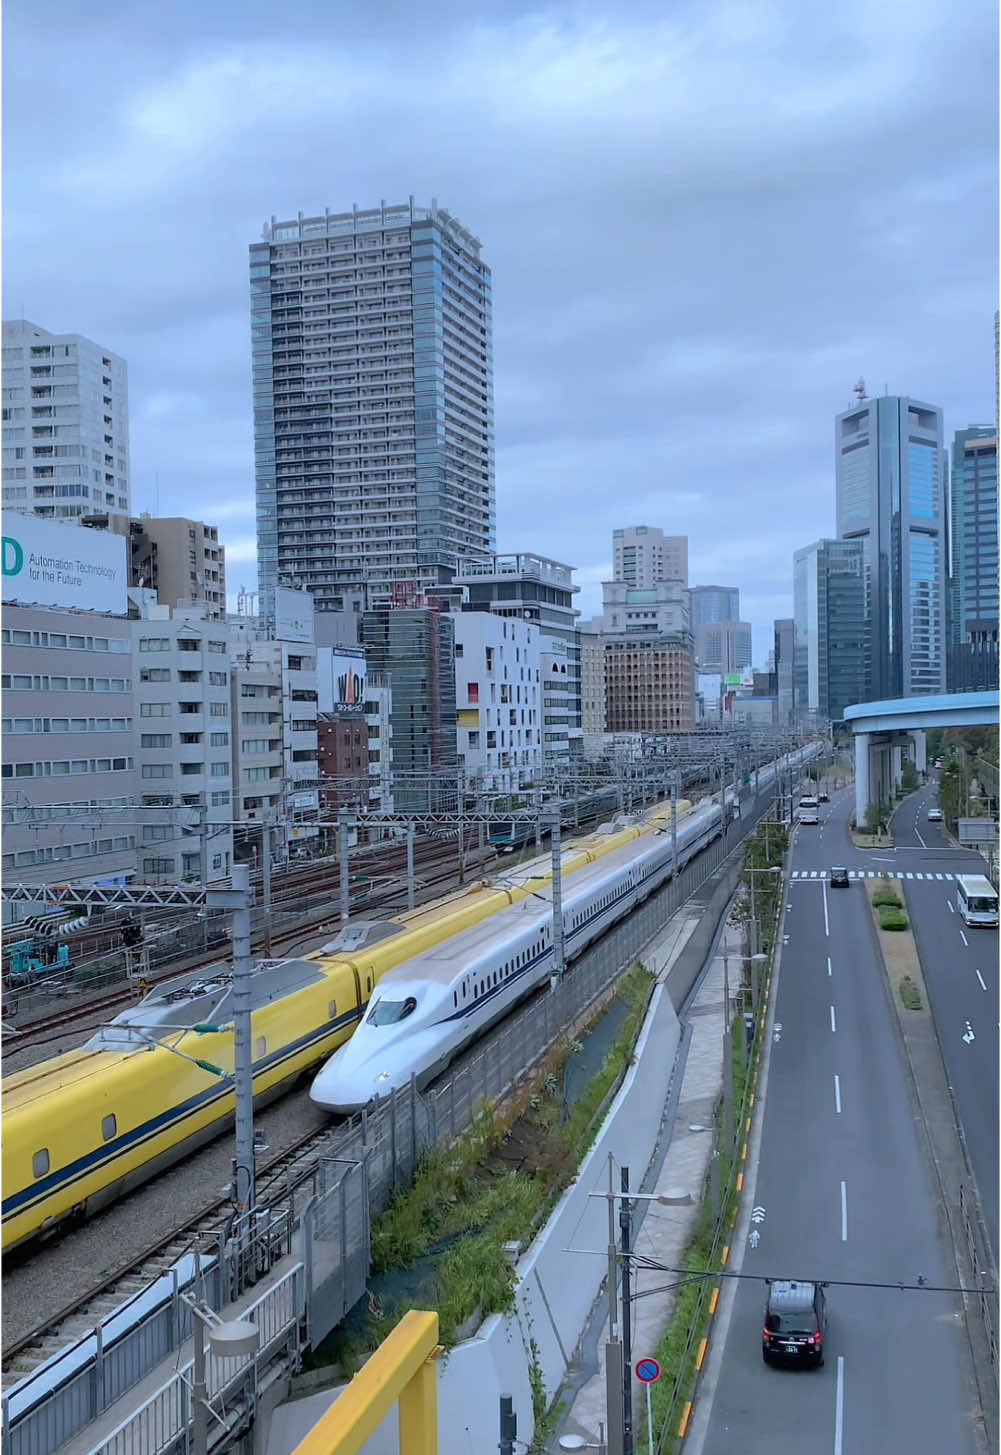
(383, 1076)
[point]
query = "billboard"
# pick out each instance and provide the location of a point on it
(293, 615)
(47, 563)
(340, 681)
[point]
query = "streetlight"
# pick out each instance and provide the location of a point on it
(577, 1442)
(235, 1339)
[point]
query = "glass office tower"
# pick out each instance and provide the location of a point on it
(890, 489)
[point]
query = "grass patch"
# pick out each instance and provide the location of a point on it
(887, 897)
(891, 918)
(910, 995)
(442, 1240)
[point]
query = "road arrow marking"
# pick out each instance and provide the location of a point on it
(969, 1037)
(758, 1214)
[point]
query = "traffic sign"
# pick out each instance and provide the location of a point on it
(648, 1371)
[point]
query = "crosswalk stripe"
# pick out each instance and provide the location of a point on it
(813, 873)
(939, 876)
(910, 876)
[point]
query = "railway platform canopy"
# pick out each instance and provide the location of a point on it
(881, 729)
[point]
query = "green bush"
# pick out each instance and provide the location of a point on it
(888, 897)
(891, 919)
(909, 994)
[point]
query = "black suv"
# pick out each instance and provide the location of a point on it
(794, 1324)
(839, 877)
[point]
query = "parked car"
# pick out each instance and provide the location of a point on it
(839, 877)
(795, 1322)
(934, 815)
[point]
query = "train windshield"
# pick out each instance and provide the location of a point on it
(388, 1012)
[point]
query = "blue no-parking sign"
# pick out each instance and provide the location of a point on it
(648, 1371)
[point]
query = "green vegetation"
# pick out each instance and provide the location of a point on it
(441, 1243)
(909, 781)
(892, 919)
(763, 851)
(910, 995)
(889, 897)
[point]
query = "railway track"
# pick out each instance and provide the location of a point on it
(45, 1029)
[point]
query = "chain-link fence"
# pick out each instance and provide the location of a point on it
(335, 1241)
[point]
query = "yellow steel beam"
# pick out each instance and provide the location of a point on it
(403, 1359)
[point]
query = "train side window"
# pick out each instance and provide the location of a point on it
(455, 997)
(262, 1046)
(40, 1163)
(332, 1009)
(463, 990)
(109, 1127)
(368, 982)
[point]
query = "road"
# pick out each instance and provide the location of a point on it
(960, 968)
(847, 1196)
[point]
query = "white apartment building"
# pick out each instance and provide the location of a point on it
(661, 607)
(274, 728)
(498, 669)
(65, 424)
(378, 717)
(183, 747)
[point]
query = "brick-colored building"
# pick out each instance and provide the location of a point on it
(343, 754)
(649, 685)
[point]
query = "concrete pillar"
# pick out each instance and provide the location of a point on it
(861, 778)
(897, 765)
(920, 750)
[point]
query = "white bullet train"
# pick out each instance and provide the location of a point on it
(428, 1010)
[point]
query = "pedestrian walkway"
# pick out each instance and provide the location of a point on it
(807, 874)
(666, 1230)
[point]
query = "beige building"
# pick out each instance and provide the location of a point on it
(190, 564)
(642, 555)
(592, 683)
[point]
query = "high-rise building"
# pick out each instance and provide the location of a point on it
(973, 585)
(498, 697)
(662, 607)
(642, 555)
(190, 562)
(890, 489)
(723, 646)
(714, 603)
(649, 683)
(65, 424)
(373, 402)
(783, 659)
(832, 634)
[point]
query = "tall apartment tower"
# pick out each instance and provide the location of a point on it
(65, 424)
(373, 402)
(890, 489)
(973, 585)
(714, 603)
(642, 555)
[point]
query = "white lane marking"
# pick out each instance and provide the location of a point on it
(837, 1097)
(839, 1407)
(976, 973)
(828, 964)
(833, 1025)
(920, 839)
(949, 903)
(844, 1214)
(969, 1037)
(963, 938)
(827, 925)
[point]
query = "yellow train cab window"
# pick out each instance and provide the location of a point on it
(109, 1127)
(40, 1163)
(262, 1046)
(332, 1010)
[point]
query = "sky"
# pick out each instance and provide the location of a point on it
(705, 222)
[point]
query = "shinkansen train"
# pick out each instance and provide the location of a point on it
(82, 1128)
(512, 833)
(426, 1011)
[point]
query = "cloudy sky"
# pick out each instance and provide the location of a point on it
(705, 221)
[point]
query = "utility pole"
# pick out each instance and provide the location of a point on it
(675, 785)
(626, 1227)
(203, 841)
(508, 1426)
(410, 865)
(461, 807)
(243, 970)
(559, 960)
(266, 876)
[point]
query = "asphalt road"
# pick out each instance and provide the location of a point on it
(846, 1195)
(960, 968)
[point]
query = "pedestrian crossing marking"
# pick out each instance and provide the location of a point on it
(805, 874)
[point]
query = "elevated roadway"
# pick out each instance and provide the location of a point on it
(844, 1193)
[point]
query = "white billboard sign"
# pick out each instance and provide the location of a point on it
(293, 615)
(47, 563)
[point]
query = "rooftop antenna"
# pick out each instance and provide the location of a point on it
(859, 389)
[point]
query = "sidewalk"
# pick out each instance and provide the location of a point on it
(664, 1231)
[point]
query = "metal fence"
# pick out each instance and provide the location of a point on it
(981, 1265)
(161, 1424)
(335, 1242)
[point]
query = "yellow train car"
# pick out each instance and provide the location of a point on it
(82, 1128)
